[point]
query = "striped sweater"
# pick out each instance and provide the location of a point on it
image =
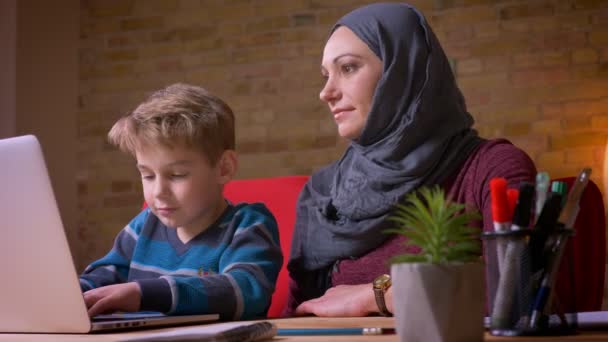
(230, 268)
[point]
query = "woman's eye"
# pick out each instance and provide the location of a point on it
(348, 68)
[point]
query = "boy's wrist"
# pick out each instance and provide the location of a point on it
(155, 295)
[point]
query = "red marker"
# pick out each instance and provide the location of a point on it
(501, 215)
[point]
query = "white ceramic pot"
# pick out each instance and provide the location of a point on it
(438, 302)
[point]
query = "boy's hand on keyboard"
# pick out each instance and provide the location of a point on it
(111, 298)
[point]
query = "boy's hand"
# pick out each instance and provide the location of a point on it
(341, 301)
(117, 297)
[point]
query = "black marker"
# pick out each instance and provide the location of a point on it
(545, 225)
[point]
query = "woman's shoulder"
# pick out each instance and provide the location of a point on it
(501, 153)
(500, 158)
(492, 158)
(499, 147)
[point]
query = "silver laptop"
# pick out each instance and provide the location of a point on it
(39, 289)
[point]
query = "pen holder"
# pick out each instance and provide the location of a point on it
(521, 298)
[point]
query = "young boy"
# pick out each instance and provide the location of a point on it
(189, 252)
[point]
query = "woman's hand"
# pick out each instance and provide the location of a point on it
(117, 297)
(341, 301)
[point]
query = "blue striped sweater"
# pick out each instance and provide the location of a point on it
(230, 268)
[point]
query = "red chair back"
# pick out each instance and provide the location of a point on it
(580, 282)
(280, 195)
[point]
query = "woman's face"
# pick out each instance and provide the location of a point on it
(351, 71)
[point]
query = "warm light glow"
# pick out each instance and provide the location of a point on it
(605, 173)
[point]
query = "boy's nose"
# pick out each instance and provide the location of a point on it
(160, 187)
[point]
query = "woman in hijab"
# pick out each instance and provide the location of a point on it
(392, 93)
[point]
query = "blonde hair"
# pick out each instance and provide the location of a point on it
(178, 114)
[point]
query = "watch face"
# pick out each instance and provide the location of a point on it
(382, 281)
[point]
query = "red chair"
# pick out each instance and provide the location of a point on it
(280, 195)
(580, 281)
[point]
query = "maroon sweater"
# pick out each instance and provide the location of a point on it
(493, 158)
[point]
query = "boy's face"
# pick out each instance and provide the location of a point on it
(180, 186)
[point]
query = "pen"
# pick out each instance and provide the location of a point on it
(542, 185)
(335, 331)
(568, 215)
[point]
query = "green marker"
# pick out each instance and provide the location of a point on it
(562, 189)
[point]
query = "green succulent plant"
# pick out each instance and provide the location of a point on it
(439, 227)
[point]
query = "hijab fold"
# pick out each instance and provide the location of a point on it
(418, 132)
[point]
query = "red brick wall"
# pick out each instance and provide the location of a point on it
(534, 72)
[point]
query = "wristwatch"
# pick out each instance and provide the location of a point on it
(381, 285)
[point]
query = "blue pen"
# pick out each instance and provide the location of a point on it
(335, 331)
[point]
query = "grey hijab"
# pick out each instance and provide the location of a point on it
(418, 132)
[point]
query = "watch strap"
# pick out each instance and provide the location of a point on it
(379, 294)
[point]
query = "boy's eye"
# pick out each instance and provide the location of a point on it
(178, 175)
(147, 177)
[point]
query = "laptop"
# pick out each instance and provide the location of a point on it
(39, 289)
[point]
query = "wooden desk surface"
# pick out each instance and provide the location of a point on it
(301, 322)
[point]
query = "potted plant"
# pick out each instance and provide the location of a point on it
(439, 293)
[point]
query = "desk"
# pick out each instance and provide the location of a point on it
(303, 322)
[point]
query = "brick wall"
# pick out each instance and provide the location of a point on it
(534, 72)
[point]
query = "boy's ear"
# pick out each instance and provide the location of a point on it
(227, 166)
